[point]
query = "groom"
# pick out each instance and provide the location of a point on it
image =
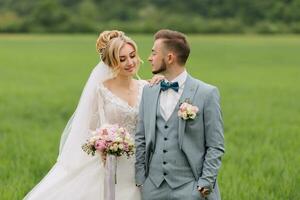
(179, 139)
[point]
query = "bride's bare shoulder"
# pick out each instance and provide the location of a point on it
(143, 82)
(108, 83)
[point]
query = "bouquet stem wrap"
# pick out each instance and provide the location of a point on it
(113, 141)
(110, 178)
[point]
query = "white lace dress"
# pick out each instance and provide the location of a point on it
(87, 182)
(116, 110)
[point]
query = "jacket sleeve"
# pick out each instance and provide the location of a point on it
(214, 140)
(140, 146)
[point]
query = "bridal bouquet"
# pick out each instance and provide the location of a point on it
(110, 139)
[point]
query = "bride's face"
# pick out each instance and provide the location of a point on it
(128, 61)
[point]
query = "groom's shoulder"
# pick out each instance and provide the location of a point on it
(148, 88)
(206, 89)
(203, 85)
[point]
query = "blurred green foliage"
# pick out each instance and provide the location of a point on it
(42, 77)
(193, 16)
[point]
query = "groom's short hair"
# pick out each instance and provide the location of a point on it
(176, 42)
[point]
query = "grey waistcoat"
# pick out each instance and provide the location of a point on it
(169, 162)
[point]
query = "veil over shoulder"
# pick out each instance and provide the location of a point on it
(86, 116)
(71, 159)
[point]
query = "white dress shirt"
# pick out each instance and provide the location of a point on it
(169, 98)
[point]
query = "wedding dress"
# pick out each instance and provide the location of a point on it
(76, 175)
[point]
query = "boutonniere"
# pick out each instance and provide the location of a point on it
(187, 111)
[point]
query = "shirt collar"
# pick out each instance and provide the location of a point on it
(180, 78)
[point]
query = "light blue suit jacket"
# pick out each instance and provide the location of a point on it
(201, 139)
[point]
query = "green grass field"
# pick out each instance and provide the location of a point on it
(41, 78)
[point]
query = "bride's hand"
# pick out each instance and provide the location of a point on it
(156, 79)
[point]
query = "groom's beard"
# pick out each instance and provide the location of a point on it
(162, 68)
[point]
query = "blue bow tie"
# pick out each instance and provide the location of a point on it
(167, 85)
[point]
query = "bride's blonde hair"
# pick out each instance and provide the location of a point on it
(109, 44)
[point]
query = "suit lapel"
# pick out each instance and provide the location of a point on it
(189, 91)
(152, 112)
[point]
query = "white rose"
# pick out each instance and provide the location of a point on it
(193, 115)
(189, 109)
(116, 147)
(121, 146)
(127, 137)
(118, 139)
(130, 143)
(184, 115)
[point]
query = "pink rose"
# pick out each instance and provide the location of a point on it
(100, 145)
(195, 109)
(183, 106)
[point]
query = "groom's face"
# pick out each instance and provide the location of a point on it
(156, 57)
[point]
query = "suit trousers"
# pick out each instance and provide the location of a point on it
(186, 191)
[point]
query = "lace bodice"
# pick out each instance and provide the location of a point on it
(116, 110)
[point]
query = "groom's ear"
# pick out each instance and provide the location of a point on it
(171, 58)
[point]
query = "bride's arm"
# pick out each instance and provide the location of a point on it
(98, 116)
(97, 107)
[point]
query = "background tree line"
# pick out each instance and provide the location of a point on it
(143, 16)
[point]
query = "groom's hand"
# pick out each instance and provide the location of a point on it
(204, 191)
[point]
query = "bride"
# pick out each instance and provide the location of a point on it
(111, 95)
